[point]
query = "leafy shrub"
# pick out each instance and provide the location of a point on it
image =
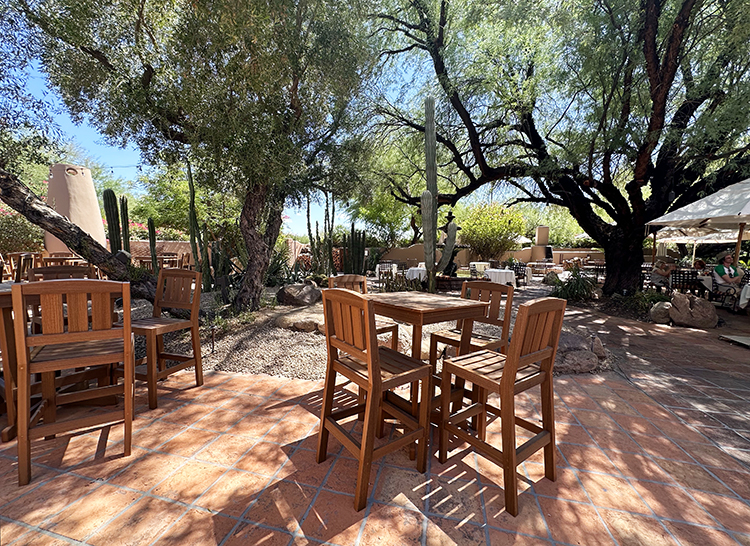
(578, 287)
(17, 234)
(491, 230)
(277, 271)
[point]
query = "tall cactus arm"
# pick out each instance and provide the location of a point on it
(450, 244)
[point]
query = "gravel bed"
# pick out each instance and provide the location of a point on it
(262, 347)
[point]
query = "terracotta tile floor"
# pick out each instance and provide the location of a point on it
(233, 462)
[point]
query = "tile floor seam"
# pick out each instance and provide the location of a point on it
(298, 531)
(112, 519)
(45, 532)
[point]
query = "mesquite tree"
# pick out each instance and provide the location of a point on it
(618, 111)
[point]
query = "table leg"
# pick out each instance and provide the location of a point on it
(416, 341)
(8, 348)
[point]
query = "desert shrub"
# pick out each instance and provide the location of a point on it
(491, 230)
(17, 234)
(578, 287)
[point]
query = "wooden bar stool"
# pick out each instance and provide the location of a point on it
(529, 362)
(354, 353)
(177, 289)
(80, 346)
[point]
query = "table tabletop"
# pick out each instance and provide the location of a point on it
(502, 276)
(420, 308)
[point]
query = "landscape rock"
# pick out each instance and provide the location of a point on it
(308, 319)
(578, 353)
(551, 279)
(578, 362)
(299, 294)
(659, 313)
(693, 312)
(597, 347)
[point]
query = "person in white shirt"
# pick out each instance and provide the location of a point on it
(727, 276)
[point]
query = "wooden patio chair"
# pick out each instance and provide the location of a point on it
(529, 363)
(175, 289)
(498, 314)
(56, 272)
(358, 283)
(77, 344)
(354, 353)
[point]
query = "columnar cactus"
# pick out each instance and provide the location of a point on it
(113, 220)
(152, 245)
(125, 223)
(354, 252)
(430, 196)
(428, 205)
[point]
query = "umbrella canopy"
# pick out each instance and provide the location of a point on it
(725, 209)
(699, 236)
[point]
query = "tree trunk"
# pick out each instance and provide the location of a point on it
(624, 255)
(23, 200)
(259, 245)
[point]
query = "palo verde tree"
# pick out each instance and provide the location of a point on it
(615, 110)
(251, 93)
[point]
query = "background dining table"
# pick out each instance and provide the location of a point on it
(502, 276)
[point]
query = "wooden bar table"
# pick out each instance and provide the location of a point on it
(420, 308)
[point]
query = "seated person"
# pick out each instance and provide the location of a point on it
(660, 274)
(700, 266)
(727, 276)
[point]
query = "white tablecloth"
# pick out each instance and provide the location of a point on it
(502, 276)
(481, 266)
(416, 273)
(394, 269)
(706, 280)
(745, 296)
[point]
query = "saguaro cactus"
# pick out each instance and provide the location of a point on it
(125, 223)
(196, 244)
(450, 243)
(113, 220)
(152, 245)
(430, 196)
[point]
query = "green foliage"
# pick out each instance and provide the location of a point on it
(578, 287)
(278, 268)
(17, 234)
(490, 229)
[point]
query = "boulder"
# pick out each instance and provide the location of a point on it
(551, 279)
(693, 312)
(577, 362)
(578, 353)
(299, 294)
(659, 313)
(308, 319)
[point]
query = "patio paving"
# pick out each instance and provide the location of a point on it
(654, 453)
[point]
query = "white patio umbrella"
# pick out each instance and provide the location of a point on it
(726, 209)
(698, 236)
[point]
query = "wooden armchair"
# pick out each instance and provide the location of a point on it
(353, 352)
(78, 344)
(176, 289)
(55, 272)
(358, 283)
(529, 363)
(498, 314)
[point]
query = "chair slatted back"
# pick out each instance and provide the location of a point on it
(500, 297)
(350, 328)
(178, 289)
(72, 310)
(684, 279)
(357, 283)
(55, 272)
(535, 338)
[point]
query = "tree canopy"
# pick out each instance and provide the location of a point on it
(256, 95)
(616, 112)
